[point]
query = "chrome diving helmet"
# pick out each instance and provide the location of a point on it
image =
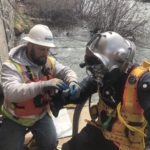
(106, 52)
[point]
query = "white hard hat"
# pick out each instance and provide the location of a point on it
(40, 35)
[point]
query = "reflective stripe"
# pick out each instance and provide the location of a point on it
(51, 62)
(23, 121)
(146, 64)
(9, 109)
(32, 72)
(20, 69)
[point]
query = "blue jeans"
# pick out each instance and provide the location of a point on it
(12, 134)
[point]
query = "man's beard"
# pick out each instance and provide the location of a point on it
(41, 61)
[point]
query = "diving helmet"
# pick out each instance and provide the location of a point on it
(108, 51)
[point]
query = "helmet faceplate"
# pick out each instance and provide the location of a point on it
(110, 50)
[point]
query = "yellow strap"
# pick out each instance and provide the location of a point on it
(19, 68)
(146, 64)
(32, 73)
(129, 126)
(51, 61)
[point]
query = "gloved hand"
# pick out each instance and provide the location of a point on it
(53, 84)
(74, 90)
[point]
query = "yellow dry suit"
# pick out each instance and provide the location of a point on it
(128, 128)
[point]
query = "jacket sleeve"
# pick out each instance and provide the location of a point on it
(64, 73)
(144, 94)
(88, 87)
(13, 87)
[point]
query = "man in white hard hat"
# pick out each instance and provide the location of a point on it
(30, 78)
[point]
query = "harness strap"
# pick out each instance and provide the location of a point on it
(130, 94)
(30, 73)
(139, 130)
(31, 76)
(51, 62)
(19, 68)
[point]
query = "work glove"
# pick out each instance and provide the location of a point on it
(53, 84)
(74, 90)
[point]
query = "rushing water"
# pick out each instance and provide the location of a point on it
(70, 48)
(143, 51)
(71, 44)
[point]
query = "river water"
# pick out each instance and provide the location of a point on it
(71, 44)
(70, 49)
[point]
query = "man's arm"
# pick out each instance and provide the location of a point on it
(64, 73)
(16, 90)
(88, 87)
(144, 94)
(13, 87)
